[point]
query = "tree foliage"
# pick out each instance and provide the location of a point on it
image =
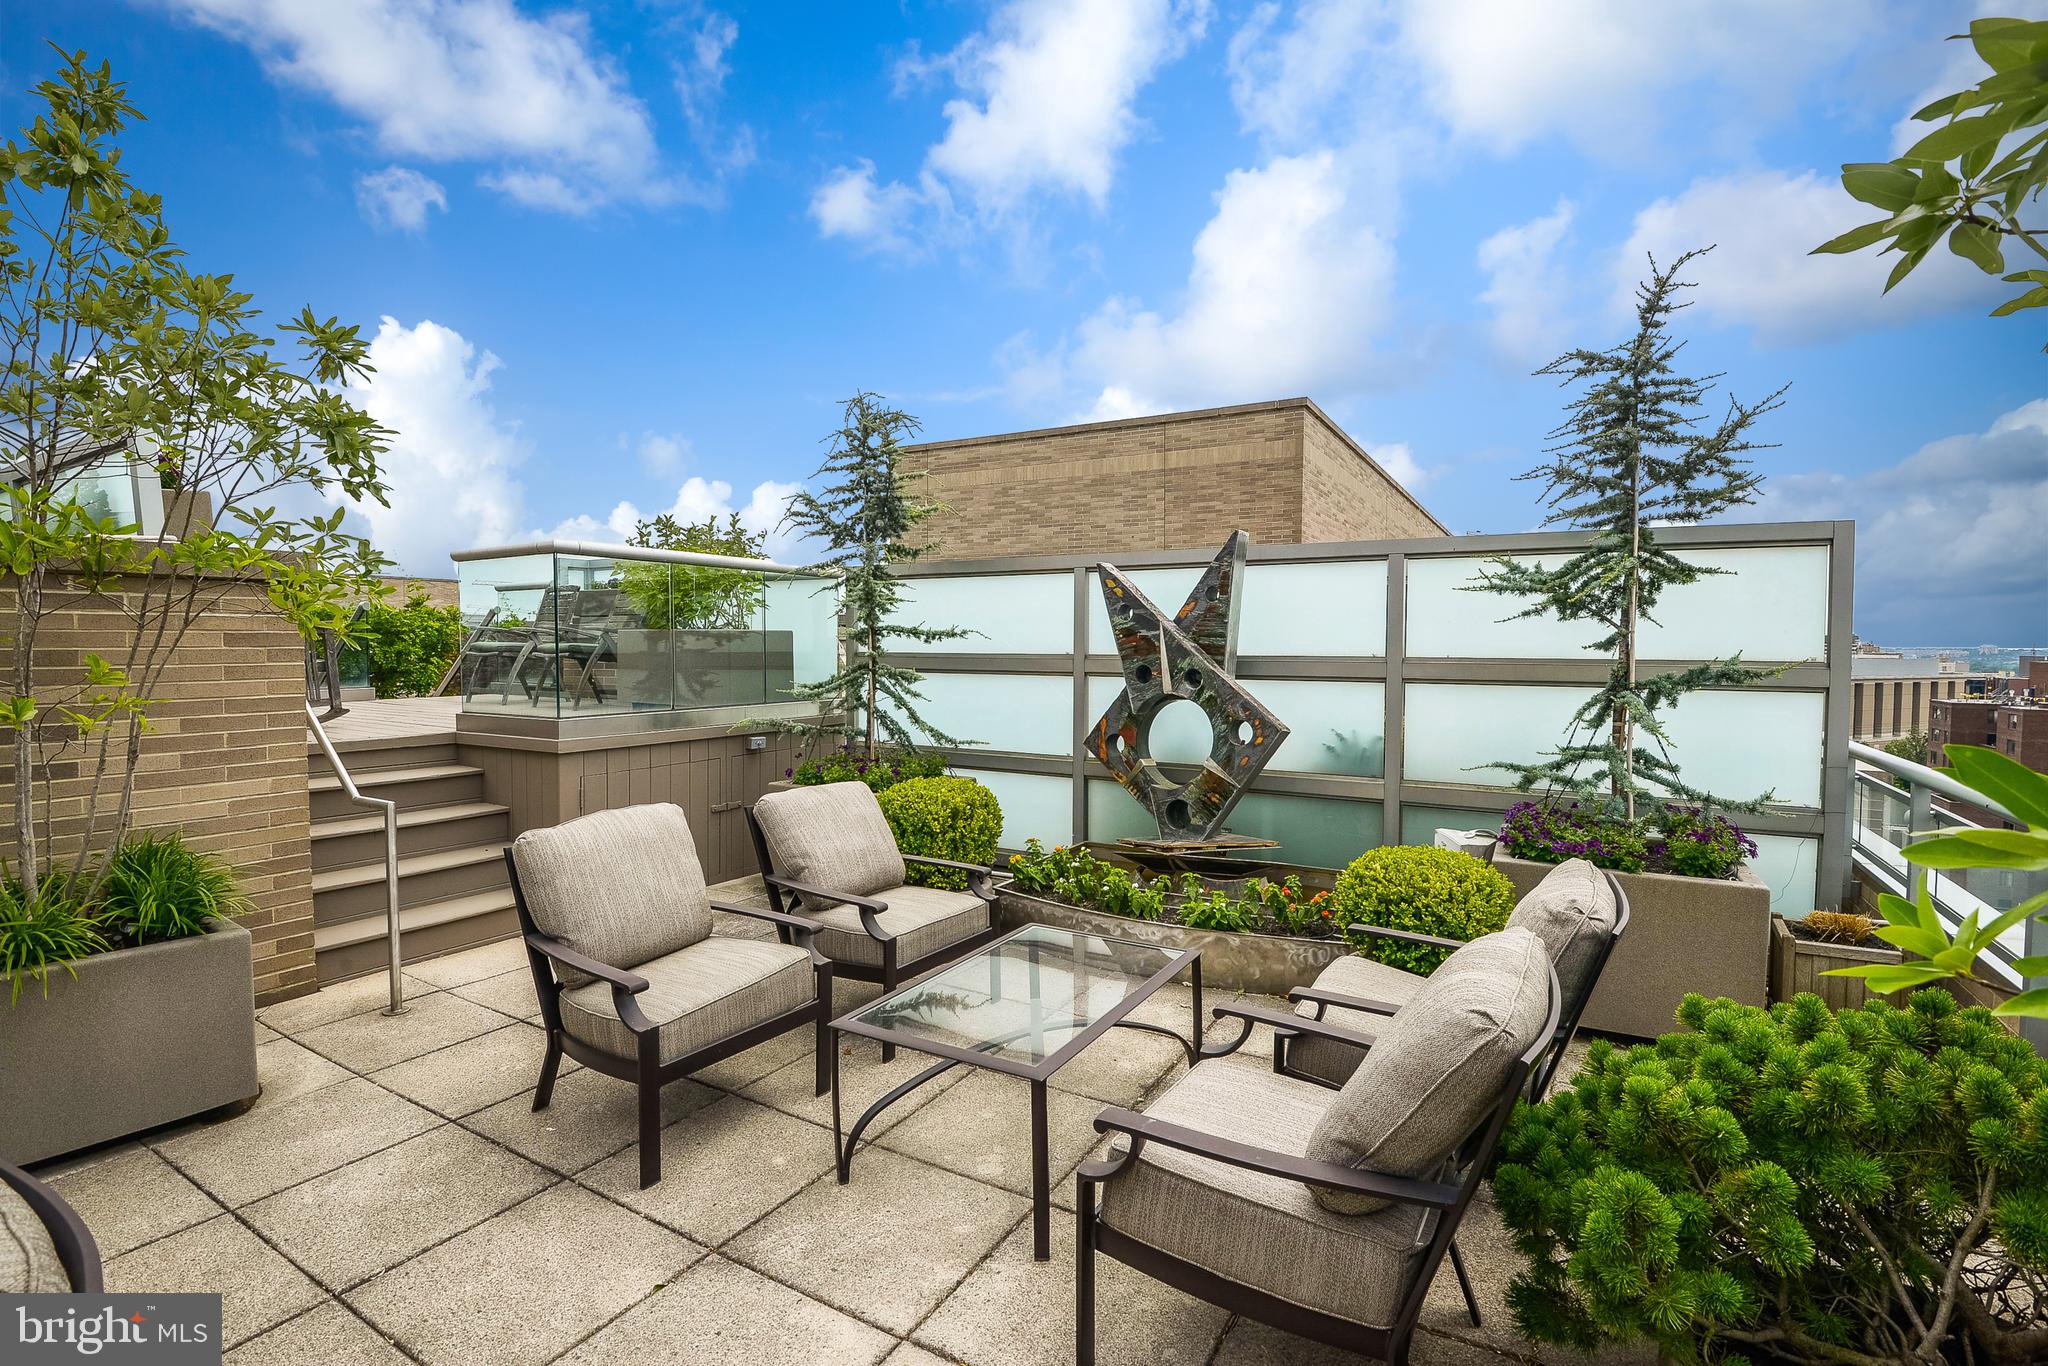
(1970, 179)
(696, 597)
(1631, 456)
(408, 647)
(866, 516)
(116, 349)
(1791, 1185)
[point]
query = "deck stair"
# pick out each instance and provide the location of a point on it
(452, 887)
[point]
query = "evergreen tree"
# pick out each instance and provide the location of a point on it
(867, 517)
(1628, 457)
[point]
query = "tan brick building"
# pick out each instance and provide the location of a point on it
(1281, 470)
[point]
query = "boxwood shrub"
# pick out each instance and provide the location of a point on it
(954, 818)
(1423, 890)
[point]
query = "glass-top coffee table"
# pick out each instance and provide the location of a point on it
(1025, 1004)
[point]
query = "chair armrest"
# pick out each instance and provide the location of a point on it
(1144, 1129)
(982, 868)
(1287, 1019)
(631, 982)
(1320, 997)
(804, 930)
(1405, 936)
(790, 884)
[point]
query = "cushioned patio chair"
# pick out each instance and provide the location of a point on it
(1578, 911)
(1323, 1212)
(830, 850)
(632, 982)
(504, 651)
(45, 1248)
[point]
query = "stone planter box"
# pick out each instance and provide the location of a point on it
(1797, 965)
(1684, 934)
(141, 1037)
(1270, 964)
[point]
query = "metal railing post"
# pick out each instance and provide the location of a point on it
(1919, 821)
(392, 926)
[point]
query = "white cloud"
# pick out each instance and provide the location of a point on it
(1398, 460)
(696, 500)
(1047, 102)
(451, 463)
(1289, 287)
(662, 454)
(850, 204)
(1288, 81)
(1527, 288)
(465, 80)
(700, 73)
(399, 197)
(1943, 536)
(1762, 226)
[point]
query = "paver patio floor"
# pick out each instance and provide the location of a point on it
(394, 1197)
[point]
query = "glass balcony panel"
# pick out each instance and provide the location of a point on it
(806, 609)
(1035, 805)
(1738, 743)
(1419, 824)
(1787, 864)
(510, 604)
(1010, 613)
(1449, 618)
(1455, 732)
(1312, 608)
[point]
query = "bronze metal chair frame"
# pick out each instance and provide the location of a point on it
(646, 1069)
(76, 1248)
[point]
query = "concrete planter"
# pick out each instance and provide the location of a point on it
(140, 1037)
(1797, 965)
(1684, 934)
(1271, 964)
(187, 511)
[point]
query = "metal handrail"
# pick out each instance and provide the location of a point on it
(390, 810)
(1920, 775)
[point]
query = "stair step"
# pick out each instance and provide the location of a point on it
(349, 890)
(346, 841)
(412, 786)
(409, 865)
(353, 947)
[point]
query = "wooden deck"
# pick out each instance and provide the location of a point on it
(393, 719)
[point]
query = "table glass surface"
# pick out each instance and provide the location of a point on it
(1023, 997)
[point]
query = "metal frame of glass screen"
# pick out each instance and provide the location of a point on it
(1395, 670)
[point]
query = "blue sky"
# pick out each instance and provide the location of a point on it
(625, 257)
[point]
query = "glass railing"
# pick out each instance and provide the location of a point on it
(1897, 801)
(566, 629)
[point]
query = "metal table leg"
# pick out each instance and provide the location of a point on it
(1041, 1178)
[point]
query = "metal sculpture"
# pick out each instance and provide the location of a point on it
(1190, 656)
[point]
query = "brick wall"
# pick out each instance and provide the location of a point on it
(1182, 480)
(1347, 497)
(225, 761)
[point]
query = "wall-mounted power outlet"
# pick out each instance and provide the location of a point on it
(756, 743)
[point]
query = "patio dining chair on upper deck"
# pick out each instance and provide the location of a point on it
(1577, 910)
(632, 982)
(1323, 1212)
(829, 849)
(503, 651)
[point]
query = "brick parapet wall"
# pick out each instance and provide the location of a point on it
(224, 761)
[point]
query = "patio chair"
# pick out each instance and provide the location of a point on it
(830, 850)
(45, 1248)
(1578, 911)
(510, 647)
(1323, 1212)
(631, 980)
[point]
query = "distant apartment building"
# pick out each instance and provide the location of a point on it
(1281, 470)
(2013, 721)
(1891, 696)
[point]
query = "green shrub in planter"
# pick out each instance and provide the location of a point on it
(1867, 1188)
(159, 887)
(954, 818)
(1427, 891)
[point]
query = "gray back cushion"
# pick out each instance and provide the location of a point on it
(1572, 911)
(28, 1258)
(619, 886)
(1438, 1066)
(831, 835)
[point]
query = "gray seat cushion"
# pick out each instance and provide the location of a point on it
(28, 1258)
(697, 995)
(1352, 976)
(1438, 1065)
(1573, 912)
(619, 886)
(832, 835)
(1259, 1230)
(925, 920)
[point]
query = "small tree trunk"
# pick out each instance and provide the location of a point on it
(873, 663)
(27, 601)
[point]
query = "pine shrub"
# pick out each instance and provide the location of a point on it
(1423, 890)
(954, 818)
(1867, 1188)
